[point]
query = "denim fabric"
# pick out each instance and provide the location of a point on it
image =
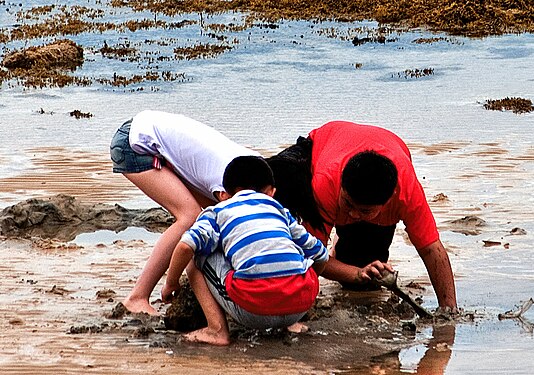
(126, 160)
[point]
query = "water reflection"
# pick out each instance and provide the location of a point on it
(429, 358)
(438, 352)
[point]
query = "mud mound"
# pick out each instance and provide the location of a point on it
(63, 217)
(469, 225)
(63, 54)
(185, 313)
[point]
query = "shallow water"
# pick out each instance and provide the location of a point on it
(279, 83)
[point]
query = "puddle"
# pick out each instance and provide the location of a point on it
(107, 237)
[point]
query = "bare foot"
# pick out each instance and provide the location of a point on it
(209, 336)
(298, 327)
(139, 306)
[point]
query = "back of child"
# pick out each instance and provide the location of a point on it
(257, 260)
(268, 254)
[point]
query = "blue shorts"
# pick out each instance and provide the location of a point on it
(126, 160)
(215, 268)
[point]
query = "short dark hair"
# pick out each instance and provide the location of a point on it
(247, 172)
(369, 178)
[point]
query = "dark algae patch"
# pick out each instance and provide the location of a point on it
(200, 51)
(415, 73)
(516, 105)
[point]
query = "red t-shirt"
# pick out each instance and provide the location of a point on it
(274, 295)
(334, 144)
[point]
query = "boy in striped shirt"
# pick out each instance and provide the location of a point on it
(252, 259)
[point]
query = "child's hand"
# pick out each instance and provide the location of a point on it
(168, 292)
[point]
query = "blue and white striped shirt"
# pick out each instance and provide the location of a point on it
(258, 235)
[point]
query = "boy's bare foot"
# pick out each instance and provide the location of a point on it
(298, 327)
(208, 336)
(139, 306)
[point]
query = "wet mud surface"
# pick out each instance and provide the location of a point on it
(347, 330)
(62, 301)
(77, 297)
(62, 218)
(71, 315)
(61, 305)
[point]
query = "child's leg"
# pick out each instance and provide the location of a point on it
(216, 333)
(215, 269)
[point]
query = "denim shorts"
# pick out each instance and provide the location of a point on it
(215, 268)
(126, 160)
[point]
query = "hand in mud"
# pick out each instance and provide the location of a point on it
(372, 271)
(447, 311)
(168, 293)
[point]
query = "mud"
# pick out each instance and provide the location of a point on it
(184, 314)
(63, 309)
(345, 327)
(63, 217)
(83, 175)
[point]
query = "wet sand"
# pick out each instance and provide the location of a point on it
(56, 300)
(58, 296)
(48, 291)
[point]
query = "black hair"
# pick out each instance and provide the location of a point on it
(247, 172)
(369, 178)
(292, 173)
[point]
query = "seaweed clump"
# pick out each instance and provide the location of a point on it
(63, 54)
(46, 65)
(516, 105)
(416, 73)
(472, 17)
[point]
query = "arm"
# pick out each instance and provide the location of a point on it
(345, 273)
(319, 267)
(310, 245)
(180, 258)
(440, 272)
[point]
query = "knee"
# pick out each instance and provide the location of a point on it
(186, 215)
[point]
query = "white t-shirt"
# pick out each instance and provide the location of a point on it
(198, 153)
